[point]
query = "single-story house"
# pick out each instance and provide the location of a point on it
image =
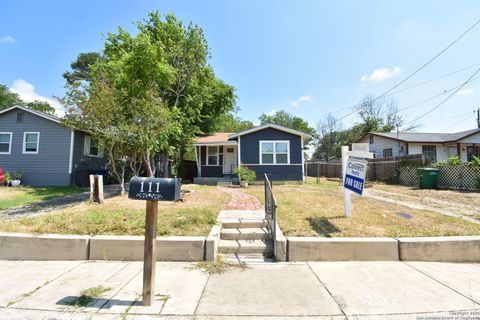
(434, 146)
(269, 148)
(48, 152)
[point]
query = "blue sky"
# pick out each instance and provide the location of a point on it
(306, 57)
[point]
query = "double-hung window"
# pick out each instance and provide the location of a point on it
(5, 142)
(430, 153)
(274, 152)
(91, 148)
(387, 152)
(212, 155)
(30, 142)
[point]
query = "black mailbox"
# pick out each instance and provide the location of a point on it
(157, 189)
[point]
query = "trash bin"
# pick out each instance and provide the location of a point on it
(428, 178)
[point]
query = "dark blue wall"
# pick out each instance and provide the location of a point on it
(210, 171)
(250, 154)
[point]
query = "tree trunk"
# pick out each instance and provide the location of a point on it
(147, 164)
(165, 163)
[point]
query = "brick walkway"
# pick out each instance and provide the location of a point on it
(240, 200)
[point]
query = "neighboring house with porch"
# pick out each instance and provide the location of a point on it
(435, 147)
(45, 150)
(269, 148)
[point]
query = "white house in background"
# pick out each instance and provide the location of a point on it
(434, 146)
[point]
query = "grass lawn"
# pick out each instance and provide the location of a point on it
(121, 216)
(317, 210)
(13, 197)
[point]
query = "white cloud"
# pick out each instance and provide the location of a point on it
(305, 98)
(296, 103)
(381, 74)
(26, 91)
(7, 40)
(465, 91)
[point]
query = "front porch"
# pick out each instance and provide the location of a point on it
(216, 157)
(228, 179)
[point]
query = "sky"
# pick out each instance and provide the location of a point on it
(309, 58)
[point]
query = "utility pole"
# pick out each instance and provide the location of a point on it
(478, 118)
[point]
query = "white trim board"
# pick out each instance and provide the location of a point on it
(270, 125)
(9, 143)
(70, 158)
(24, 150)
(37, 113)
(274, 153)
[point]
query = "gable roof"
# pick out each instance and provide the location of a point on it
(45, 115)
(424, 136)
(274, 126)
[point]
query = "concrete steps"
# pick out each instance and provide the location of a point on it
(244, 223)
(264, 247)
(244, 234)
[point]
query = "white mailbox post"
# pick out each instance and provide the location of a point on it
(359, 153)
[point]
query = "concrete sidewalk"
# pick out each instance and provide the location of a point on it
(320, 290)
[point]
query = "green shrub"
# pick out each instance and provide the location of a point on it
(245, 174)
(452, 161)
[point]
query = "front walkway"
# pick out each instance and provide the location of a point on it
(315, 290)
(240, 200)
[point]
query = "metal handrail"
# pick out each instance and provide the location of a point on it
(270, 212)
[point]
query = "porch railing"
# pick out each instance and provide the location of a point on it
(270, 212)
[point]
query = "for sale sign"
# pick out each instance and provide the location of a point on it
(355, 175)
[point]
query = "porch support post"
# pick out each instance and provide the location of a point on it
(459, 151)
(303, 161)
(198, 159)
(238, 153)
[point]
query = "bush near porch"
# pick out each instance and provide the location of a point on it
(121, 216)
(317, 210)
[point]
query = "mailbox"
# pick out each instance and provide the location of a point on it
(156, 189)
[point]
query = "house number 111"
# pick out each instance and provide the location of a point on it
(149, 186)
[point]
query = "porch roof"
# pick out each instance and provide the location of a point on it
(220, 138)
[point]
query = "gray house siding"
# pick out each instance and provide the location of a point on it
(50, 167)
(250, 154)
(84, 164)
(380, 143)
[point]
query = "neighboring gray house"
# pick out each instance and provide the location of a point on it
(269, 148)
(434, 146)
(49, 153)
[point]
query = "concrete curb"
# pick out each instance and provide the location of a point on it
(211, 243)
(441, 249)
(280, 243)
(25, 246)
(130, 248)
(342, 249)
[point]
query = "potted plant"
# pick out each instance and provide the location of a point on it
(17, 177)
(8, 178)
(245, 175)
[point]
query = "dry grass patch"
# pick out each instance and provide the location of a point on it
(13, 197)
(317, 210)
(121, 216)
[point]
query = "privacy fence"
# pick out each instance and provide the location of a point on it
(403, 170)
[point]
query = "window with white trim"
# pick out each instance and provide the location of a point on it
(5, 142)
(30, 142)
(91, 148)
(274, 152)
(212, 155)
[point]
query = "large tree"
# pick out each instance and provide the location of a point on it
(40, 106)
(80, 68)
(288, 120)
(8, 98)
(160, 82)
(231, 123)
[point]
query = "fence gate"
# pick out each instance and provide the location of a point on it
(270, 213)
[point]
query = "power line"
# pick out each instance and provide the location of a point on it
(456, 123)
(431, 60)
(434, 79)
(446, 99)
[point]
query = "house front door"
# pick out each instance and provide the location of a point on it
(229, 159)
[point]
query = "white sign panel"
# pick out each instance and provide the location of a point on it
(360, 147)
(355, 175)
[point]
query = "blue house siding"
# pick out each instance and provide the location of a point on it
(210, 171)
(50, 167)
(250, 154)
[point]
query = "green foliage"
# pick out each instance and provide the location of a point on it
(288, 120)
(8, 98)
(475, 162)
(8, 177)
(246, 174)
(17, 175)
(88, 295)
(81, 67)
(42, 106)
(451, 161)
(231, 123)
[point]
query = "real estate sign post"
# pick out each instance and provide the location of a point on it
(152, 190)
(354, 169)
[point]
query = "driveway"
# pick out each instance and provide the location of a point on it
(315, 290)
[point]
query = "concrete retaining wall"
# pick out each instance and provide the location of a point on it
(442, 249)
(23, 246)
(342, 249)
